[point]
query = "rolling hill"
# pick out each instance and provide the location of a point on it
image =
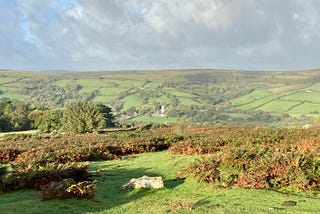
(203, 96)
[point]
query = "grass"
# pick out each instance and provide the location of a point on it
(13, 96)
(128, 83)
(304, 96)
(258, 103)
(87, 89)
(306, 108)
(111, 199)
(180, 93)
(278, 106)
(103, 99)
(111, 90)
(161, 99)
(91, 83)
(4, 80)
(132, 101)
(61, 83)
(256, 94)
(187, 101)
(153, 85)
(315, 87)
(286, 88)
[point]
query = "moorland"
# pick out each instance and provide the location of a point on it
(223, 141)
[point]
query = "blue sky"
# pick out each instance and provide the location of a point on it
(162, 34)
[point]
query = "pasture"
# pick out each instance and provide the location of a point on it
(224, 90)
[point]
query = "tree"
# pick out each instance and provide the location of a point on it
(107, 115)
(5, 124)
(19, 117)
(52, 122)
(81, 116)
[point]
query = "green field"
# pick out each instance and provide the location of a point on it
(87, 89)
(61, 83)
(305, 108)
(162, 99)
(304, 96)
(132, 101)
(256, 94)
(285, 89)
(180, 93)
(258, 103)
(91, 83)
(111, 90)
(127, 83)
(278, 106)
(178, 196)
(315, 87)
(187, 101)
(4, 80)
(13, 96)
(103, 99)
(152, 85)
(188, 92)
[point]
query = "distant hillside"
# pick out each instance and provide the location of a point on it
(203, 96)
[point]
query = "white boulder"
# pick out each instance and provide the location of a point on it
(144, 182)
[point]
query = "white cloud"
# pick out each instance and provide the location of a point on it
(117, 34)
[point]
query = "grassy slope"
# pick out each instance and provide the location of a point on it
(111, 199)
(274, 92)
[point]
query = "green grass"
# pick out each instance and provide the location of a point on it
(278, 106)
(4, 80)
(87, 89)
(91, 83)
(187, 101)
(149, 119)
(128, 83)
(13, 96)
(315, 87)
(153, 85)
(285, 88)
(258, 102)
(256, 94)
(132, 101)
(161, 99)
(61, 83)
(304, 96)
(111, 90)
(103, 99)
(111, 199)
(306, 108)
(179, 93)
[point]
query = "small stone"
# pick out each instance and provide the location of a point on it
(144, 182)
(289, 203)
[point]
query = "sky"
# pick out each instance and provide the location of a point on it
(159, 34)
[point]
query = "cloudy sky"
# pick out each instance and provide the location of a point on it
(159, 34)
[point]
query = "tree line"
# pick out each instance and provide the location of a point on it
(78, 116)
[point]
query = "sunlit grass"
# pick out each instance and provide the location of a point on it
(194, 197)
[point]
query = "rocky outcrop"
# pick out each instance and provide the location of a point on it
(144, 182)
